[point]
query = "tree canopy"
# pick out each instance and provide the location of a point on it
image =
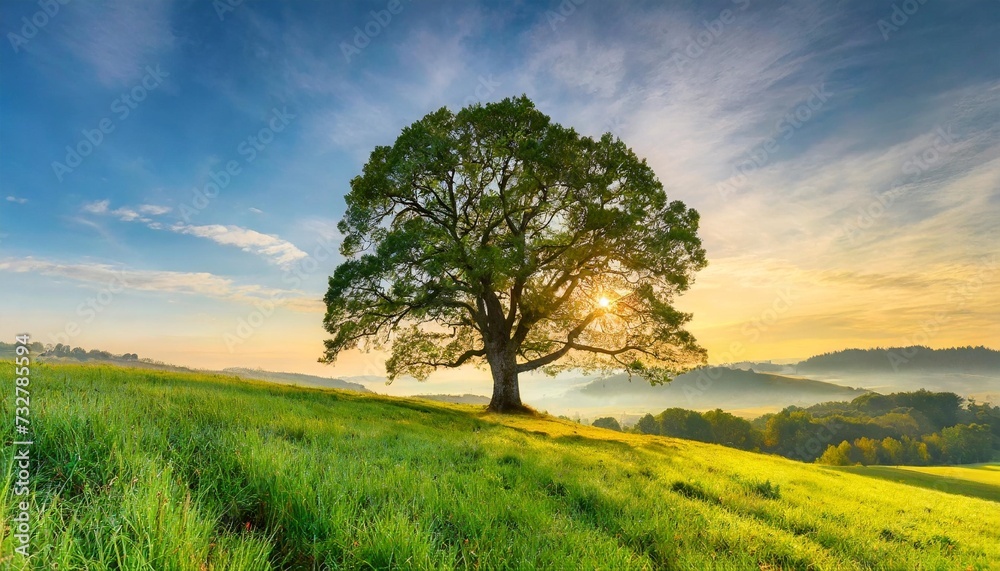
(495, 236)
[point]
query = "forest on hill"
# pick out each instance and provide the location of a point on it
(912, 358)
(916, 428)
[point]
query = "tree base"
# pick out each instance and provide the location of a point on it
(509, 408)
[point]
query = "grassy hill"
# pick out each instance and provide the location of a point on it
(141, 469)
(296, 379)
(457, 399)
(974, 480)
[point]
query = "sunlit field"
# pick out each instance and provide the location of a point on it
(140, 469)
(975, 480)
(988, 473)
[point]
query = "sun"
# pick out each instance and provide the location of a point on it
(604, 302)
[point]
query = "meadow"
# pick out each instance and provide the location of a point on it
(974, 480)
(141, 469)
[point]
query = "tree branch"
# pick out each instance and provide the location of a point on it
(457, 362)
(559, 353)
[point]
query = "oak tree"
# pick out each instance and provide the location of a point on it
(494, 236)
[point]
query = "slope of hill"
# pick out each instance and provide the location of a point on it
(296, 379)
(457, 399)
(974, 480)
(144, 469)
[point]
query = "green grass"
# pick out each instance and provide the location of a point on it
(140, 469)
(986, 473)
(973, 480)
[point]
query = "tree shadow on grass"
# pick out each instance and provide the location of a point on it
(945, 484)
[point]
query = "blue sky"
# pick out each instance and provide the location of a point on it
(845, 158)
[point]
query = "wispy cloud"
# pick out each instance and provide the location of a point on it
(118, 38)
(433, 70)
(97, 207)
(17, 200)
(276, 250)
(162, 281)
(272, 248)
(127, 214)
(154, 209)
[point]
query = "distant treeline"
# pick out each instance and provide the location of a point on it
(759, 366)
(904, 358)
(914, 428)
(81, 354)
(9, 350)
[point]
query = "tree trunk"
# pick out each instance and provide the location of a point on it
(506, 393)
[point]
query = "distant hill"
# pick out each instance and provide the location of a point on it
(747, 388)
(915, 358)
(722, 378)
(365, 379)
(761, 367)
(711, 387)
(65, 354)
(296, 379)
